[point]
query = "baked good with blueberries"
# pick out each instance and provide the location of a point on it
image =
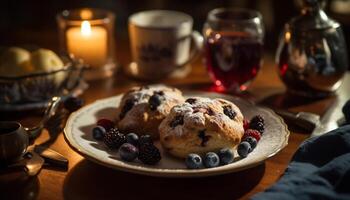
(142, 109)
(201, 125)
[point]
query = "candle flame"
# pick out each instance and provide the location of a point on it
(287, 36)
(85, 28)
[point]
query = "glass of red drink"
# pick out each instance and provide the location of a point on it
(233, 47)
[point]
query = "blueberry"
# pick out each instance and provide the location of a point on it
(191, 100)
(132, 138)
(229, 112)
(243, 149)
(98, 132)
(211, 159)
(193, 161)
(203, 137)
(226, 156)
(129, 103)
(178, 120)
(128, 152)
(154, 101)
(252, 141)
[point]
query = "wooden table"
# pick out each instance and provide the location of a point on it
(87, 180)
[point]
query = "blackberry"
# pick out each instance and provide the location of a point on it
(145, 139)
(178, 120)
(256, 119)
(154, 101)
(114, 139)
(191, 100)
(129, 103)
(229, 112)
(149, 154)
(259, 126)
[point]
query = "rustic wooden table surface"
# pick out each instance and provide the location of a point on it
(87, 180)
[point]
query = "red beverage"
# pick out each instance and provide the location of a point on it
(233, 59)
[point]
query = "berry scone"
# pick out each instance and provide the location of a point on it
(142, 109)
(201, 125)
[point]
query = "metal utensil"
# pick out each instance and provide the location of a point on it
(330, 119)
(49, 112)
(51, 157)
(333, 118)
(304, 120)
(31, 162)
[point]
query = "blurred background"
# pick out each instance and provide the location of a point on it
(34, 21)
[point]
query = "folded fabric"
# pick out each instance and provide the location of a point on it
(320, 169)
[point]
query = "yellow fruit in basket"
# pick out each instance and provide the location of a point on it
(15, 62)
(45, 60)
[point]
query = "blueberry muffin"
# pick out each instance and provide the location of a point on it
(142, 109)
(201, 125)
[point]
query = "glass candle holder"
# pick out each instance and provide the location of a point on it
(87, 34)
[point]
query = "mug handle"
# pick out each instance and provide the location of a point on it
(197, 42)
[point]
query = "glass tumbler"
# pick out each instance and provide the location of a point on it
(233, 47)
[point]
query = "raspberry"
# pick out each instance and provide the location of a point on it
(245, 124)
(252, 133)
(105, 123)
(149, 154)
(114, 139)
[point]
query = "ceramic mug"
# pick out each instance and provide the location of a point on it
(14, 141)
(161, 43)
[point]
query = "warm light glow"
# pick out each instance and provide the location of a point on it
(86, 14)
(287, 36)
(85, 28)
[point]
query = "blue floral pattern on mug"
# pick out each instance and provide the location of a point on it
(154, 52)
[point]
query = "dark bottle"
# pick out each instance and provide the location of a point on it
(312, 55)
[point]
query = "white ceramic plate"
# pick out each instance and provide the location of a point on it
(79, 126)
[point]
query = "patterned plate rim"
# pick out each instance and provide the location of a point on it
(149, 170)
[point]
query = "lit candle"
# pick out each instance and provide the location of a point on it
(88, 43)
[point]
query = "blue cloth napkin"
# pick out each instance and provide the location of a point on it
(320, 169)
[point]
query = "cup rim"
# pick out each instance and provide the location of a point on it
(17, 124)
(131, 19)
(255, 15)
(108, 16)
